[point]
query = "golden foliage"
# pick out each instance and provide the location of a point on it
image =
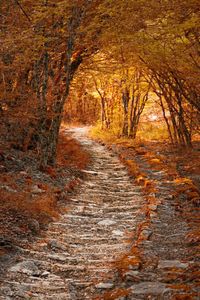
(182, 180)
(132, 167)
(70, 153)
(38, 200)
(40, 207)
(155, 161)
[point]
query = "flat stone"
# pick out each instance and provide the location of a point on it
(134, 266)
(23, 173)
(91, 172)
(117, 232)
(104, 285)
(151, 288)
(59, 257)
(107, 222)
(6, 291)
(132, 275)
(45, 274)
(164, 264)
(37, 190)
(153, 214)
(153, 207)
(10, 190)
(27, 267)
(54, 244)
(34, 226)
(146, 233)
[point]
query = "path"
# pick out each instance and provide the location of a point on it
(170, 259)
(73, 261)
(76, 258)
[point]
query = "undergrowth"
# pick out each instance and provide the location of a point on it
(34, 195)
(70, 153)
(146, 133)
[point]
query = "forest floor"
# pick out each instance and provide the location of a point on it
(130, 230)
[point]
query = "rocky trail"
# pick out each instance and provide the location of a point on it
(76, 257)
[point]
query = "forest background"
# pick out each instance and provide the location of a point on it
(129, 67)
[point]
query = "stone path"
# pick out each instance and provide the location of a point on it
(170, 264)
(74, 259)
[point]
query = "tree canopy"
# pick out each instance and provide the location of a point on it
(104, 59)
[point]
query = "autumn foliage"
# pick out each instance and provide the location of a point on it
(69, 153)
(31, 198)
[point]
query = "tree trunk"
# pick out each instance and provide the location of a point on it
(166, 121)
(125, 101)
(49, 136)
(103, 114)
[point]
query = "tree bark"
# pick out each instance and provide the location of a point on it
(125, 101)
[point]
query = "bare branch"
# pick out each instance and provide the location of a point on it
(23, 11)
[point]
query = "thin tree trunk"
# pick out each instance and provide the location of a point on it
(125, 100)
(166, 121)
(48, 155)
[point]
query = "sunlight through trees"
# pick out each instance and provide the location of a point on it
(107, 62)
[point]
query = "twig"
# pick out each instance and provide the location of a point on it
(22, 9)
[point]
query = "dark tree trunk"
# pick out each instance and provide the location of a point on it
(166, 121)
(125, 101)
(68, 66)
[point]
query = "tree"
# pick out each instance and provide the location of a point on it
(45, 43)
(58, 36)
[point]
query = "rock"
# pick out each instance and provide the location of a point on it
(153, 207)
(106, 222)
(3, 168)
(132, 276)
(135, 266)
(104, 285)
(4, 242)
(6, 291)
(90, 172)
(10, 158)
(2, 156)
(54, 244)
(59, 257)
(10, 190)
(165, 264)
(45, 274)
(148, 288)
(146, 233)
(34, 226)
(153, 214)
(117, 232)
(37, 190)
(23, 173)
(27, 267)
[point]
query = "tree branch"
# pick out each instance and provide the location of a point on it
(23, 11)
